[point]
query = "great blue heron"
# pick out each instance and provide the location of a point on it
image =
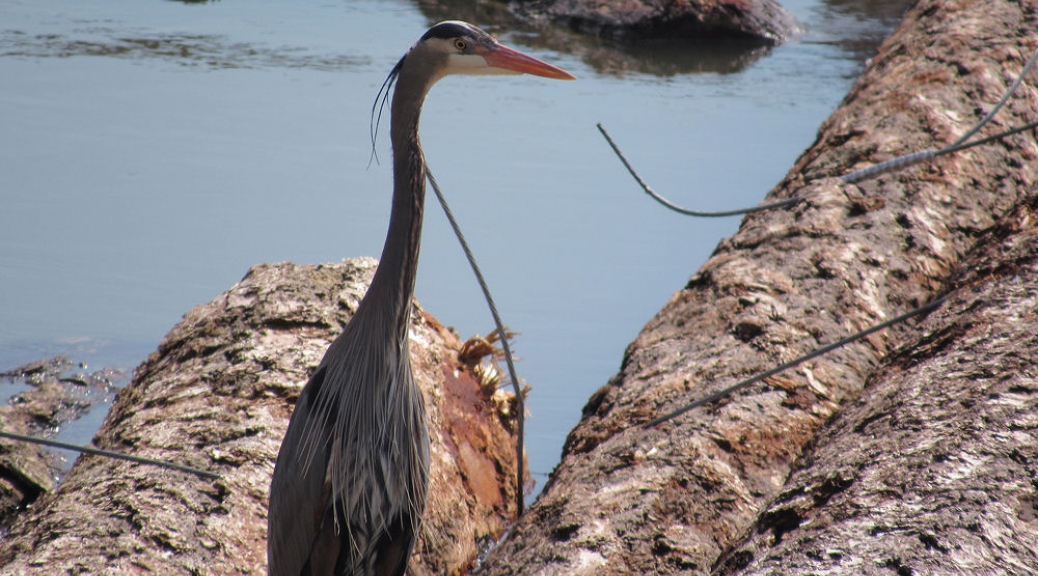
(349, 485)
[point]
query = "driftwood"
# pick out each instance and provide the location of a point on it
(932, 466)
(217, 396)
(933, 469)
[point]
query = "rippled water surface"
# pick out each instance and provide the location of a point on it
(151, 151)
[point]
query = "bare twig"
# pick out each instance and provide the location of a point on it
(783, 367)
(892, 165)
(902, 162)
(108, 454)
(1005, 98)
(648, 190)
(520, 403)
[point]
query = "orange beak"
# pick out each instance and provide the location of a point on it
(509, 59)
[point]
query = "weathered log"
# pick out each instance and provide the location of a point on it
(217, 396)
(626, 500)
(933, 470)
(758, 20)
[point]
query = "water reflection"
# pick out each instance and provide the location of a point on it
(204, 50)
(491, 16)
(667, 58)
(880, 14)
(658, 58)
(858, 26)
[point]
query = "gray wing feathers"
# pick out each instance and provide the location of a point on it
(349, 487)
(295, 497)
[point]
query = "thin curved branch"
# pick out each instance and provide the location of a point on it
(895, 164)
(1016, 84)
(959, 146)
(648, 190)
(783, 367)
(108, 454)
(907, 160)
(520, 403)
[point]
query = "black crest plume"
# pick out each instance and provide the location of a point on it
(380, 104)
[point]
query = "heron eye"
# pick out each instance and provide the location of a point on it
(460, 44)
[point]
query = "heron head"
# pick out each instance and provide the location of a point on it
(462, 48)
(453, 47)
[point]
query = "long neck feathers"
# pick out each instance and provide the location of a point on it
(393, 285)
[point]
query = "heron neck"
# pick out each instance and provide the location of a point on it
(393, 284)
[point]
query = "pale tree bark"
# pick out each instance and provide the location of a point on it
(676, 498)
(217, 396)
(934, 469)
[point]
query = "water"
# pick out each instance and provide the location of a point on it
(150, 152)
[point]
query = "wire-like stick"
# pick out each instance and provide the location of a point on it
(959, 146)
(108, 454)
(892, 165)
(899, 163)
(1016, 84)
(907, 160)
(783, 367)
(902, 162)
(648, 190)
(520, 404)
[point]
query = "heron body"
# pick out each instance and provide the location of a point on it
(349, 486)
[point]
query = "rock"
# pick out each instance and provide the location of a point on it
(763, 21)
(53, 398)
(680, 497)
(217, 396)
